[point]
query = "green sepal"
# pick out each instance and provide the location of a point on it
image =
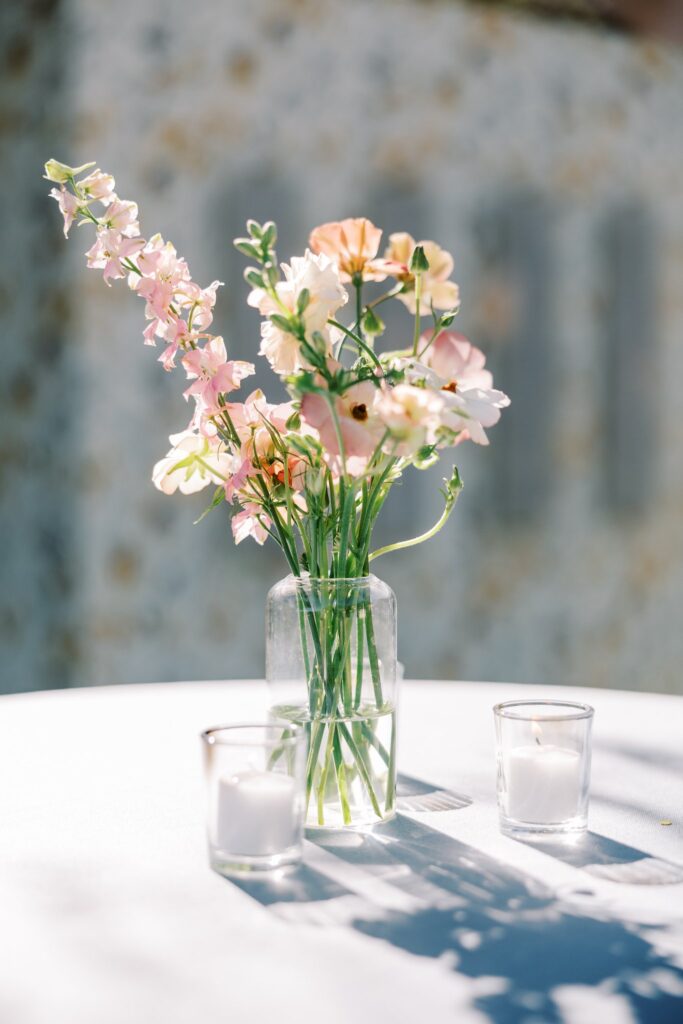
(418, 261)
(218, 498)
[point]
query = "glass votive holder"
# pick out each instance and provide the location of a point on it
(543, 766)
(255, 776)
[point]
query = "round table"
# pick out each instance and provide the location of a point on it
(110, 914)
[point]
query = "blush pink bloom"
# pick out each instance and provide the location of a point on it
(213, 373)
(471, 403)
(199, 301)
(159, 295)
(352, 244)
(316, 274)
(437, 290)
(360, 428)
(160, 259)
(411, 415)
(68, 206)
(250, 522)
(192, 464)
(122, 216)
(98, 186)
(110, 248)
(456, 360)
(178, 335)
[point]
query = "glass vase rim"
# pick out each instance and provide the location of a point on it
(573, 710)
(306, 577)
(236, 731)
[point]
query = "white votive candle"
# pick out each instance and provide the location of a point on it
(256, 813)
(543, 784)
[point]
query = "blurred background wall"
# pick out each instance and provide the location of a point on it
(544, 151)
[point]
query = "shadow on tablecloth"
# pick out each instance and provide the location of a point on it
(432, 896)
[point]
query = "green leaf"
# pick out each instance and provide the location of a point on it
(294, 421)
(269, 234)
(252, 277)
(247, 248)
(254, 229)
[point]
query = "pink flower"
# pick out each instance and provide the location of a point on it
(213, 373)
(160, 259)
(250, 522)
(471, 403)
(411, 415)
(352, 244)
(109, 250)
(437, 290)
(319, 276)
(99, 186)
(159, 295)
(193, 463)
(68, 206)
(176, 333)
(122, 216)
(200, 302)
(248, 416)
(360, 428)
(456, 360)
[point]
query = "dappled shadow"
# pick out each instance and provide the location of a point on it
(608, 859)
(432, 896)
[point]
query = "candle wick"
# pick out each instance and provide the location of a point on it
(538, 740)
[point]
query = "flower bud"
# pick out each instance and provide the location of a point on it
(418, 261)
(54, 171)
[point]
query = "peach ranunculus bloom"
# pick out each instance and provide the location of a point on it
(437, 290)
(360, 428)
(352, 244)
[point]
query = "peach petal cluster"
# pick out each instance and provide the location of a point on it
(352, 244)
(437, 290)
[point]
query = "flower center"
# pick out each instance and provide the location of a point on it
(359, 412)
(452, 387)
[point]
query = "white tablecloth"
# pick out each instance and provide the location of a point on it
(110, 914)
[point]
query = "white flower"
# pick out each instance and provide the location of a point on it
(192, 464)
(319, 277)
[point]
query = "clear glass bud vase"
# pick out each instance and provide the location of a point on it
(331, 666)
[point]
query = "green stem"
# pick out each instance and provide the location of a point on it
(322, 783)
(362, 768)
(441, 521)
(341, 779)
(359, 342)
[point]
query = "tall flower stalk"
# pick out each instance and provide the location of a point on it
(311, 474)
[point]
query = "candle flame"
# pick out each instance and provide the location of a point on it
(536, 731)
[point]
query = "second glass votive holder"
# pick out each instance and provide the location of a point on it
(543, 766)
(255, 776)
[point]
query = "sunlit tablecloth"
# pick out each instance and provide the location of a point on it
(110, 914)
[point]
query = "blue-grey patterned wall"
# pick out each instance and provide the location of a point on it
(544, 156)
